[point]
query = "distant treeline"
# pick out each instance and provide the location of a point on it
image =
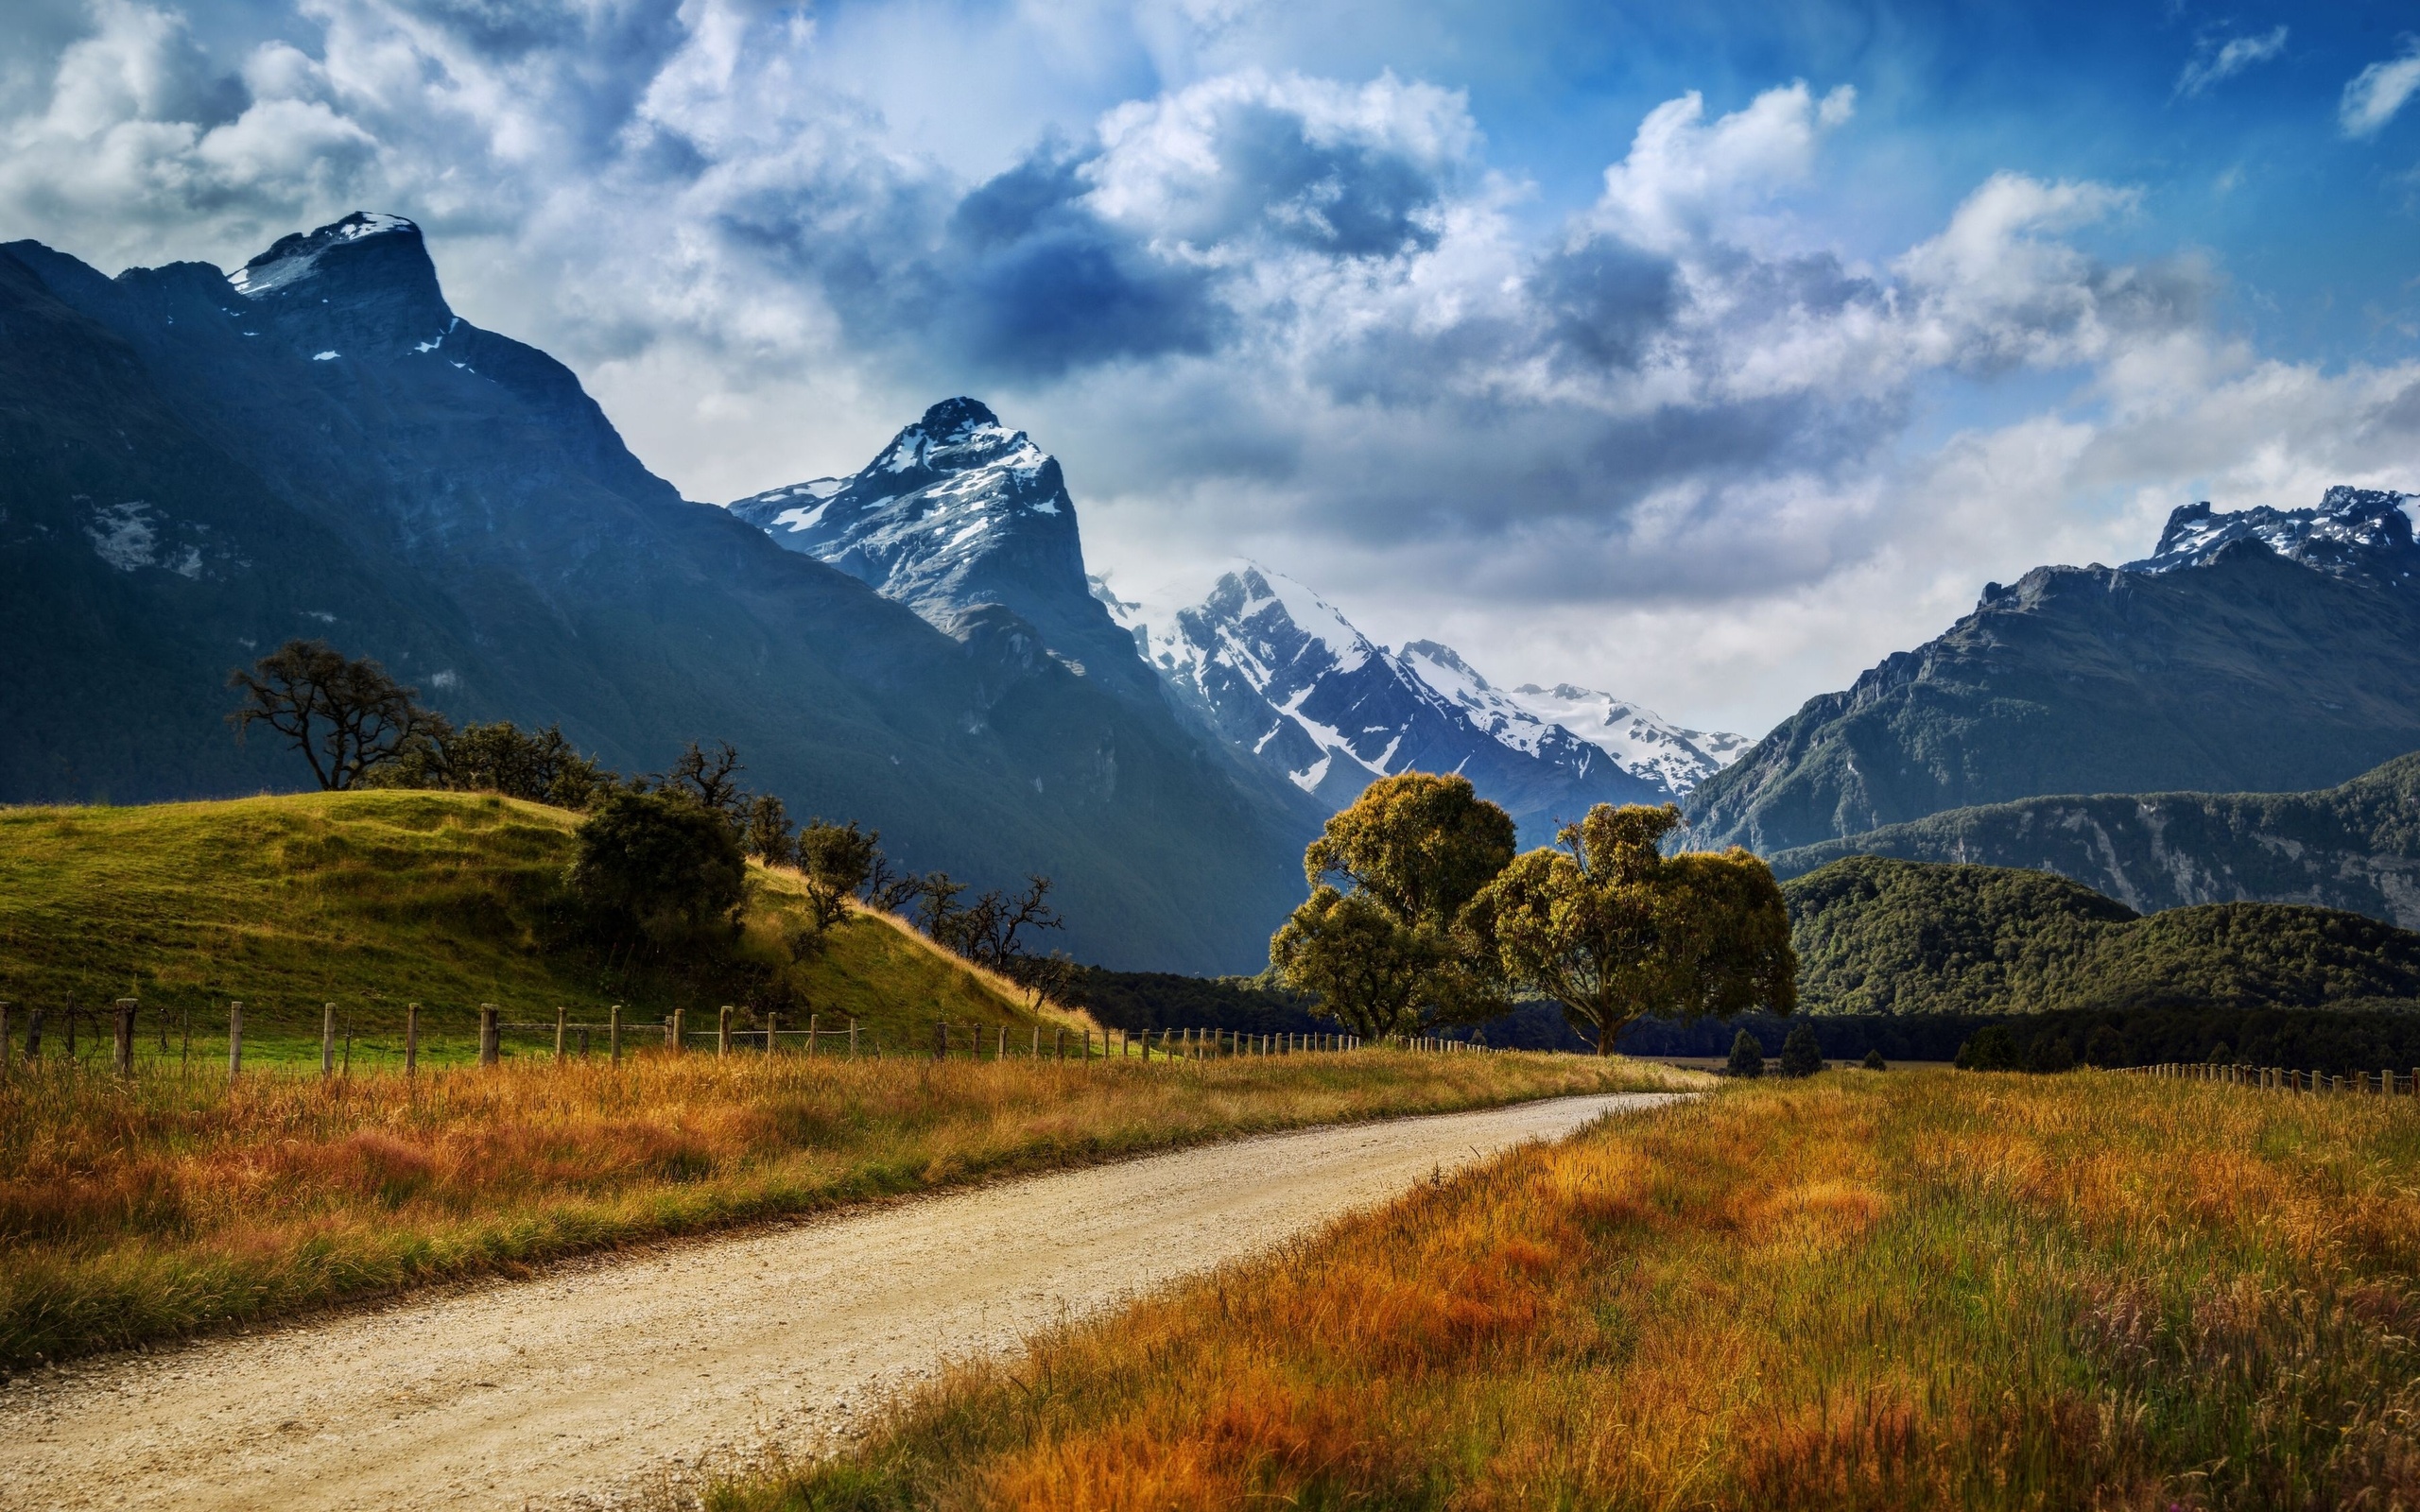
(2334, 1041)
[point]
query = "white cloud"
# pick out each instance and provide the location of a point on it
(2212, 65)
(2377, 92)
(1682, 177)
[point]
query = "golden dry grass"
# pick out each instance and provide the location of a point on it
(133, 1210)
(1911, 1290)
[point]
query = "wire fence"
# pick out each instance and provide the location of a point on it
(383, 1039)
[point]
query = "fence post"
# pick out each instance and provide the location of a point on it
(941, 1039)
(679, 1030)
(722, 1031)
(124, 1047)
(563, 1023)
(411, 1038)
(235, 1040)
(810, 1034)
(852, 1036)
(772, 1028)
(327, 1039)
(613, 1032)
(491, 1038)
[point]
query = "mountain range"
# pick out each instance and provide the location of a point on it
(198, 465)
(971, 525)
(2260, 651)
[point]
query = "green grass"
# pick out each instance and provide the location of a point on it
(374, 900)
(1914, 1289)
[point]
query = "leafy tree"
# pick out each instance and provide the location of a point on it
(1802, 1055)
(1398, 944)
(2051, 1053)
(1873, 1061)
(767, 835)
(836, 860)
(2104, 1046)
(1614, 930)
(346, 716)
(665, 866)
(540, 764)
(1747, 1057)
(1990, 1048)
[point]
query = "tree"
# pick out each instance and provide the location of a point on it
(710, 780)
(1802, 1054)
(836, 860)
(767, 835)
(2051, 1053)
(1613, 930)
(1747, 1056)
(1398, 944)
(1873, 1061)
(540, 764)
(346, 716)
(1989, 1048)
(2104, 1046)
(665, 866)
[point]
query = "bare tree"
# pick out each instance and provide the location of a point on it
(711, 779)
(345, 716)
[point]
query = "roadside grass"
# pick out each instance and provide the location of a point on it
(136, 1210)
(1918, 1289)
(373, 899)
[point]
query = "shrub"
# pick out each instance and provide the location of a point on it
(1802, 1054)
(1873, 1061)
(1990, 1048)
(2049, 1054)
(663, 866)
(2106, 1046)
(1747, 1057)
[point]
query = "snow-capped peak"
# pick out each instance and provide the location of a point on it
(2354, 532)
(295, 256)
(1281, 675)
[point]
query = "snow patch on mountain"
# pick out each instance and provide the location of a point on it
(294, 257)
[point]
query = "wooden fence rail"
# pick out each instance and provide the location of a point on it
(2387, 1083)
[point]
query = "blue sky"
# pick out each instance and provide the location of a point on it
(1702, 353)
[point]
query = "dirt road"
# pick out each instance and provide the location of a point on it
(608, 1380)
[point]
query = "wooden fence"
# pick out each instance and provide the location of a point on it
(393, 1041)
(2387, 1083)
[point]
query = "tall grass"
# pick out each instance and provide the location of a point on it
(134, 1209)
(1911, 1290)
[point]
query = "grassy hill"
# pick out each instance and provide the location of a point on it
(1881, 936)
(375, 899)
(2355, 845)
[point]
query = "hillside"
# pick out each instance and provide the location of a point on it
(2266, 651)
(195, 467)
(1880, 935)
(373, 899)
(2354, 847)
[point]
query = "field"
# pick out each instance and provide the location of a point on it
(1912, 1289)
(373, 899)
(136, 1210)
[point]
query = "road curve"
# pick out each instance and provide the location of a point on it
(614, 1378)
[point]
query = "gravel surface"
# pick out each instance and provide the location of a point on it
(626, 1377)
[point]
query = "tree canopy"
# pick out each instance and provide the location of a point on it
(1613, 930)
(1397, 945)
(345, 715)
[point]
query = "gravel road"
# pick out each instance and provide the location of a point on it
(617, 1379)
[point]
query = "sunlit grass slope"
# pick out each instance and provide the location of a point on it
(1898, 1290)
(373, 899)
(130, 1209)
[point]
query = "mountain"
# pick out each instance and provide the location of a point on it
(2352, 846)
(1880, 935)
(957, 516)
(1273, 670)
(196, 466)
(2260, 651)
